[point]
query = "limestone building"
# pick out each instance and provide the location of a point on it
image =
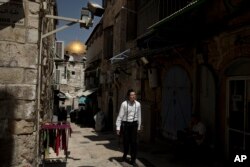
(69, 74)
(26, 65)
(181, 57)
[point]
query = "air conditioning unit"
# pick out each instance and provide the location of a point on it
(59, 49)
(63, 81)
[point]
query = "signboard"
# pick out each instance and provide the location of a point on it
(11, 12)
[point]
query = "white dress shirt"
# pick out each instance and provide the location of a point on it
(129, 112)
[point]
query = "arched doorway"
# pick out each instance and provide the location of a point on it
(176, 102)
(110, 115)
(238, 107)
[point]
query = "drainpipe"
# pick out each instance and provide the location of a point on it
(39, 92)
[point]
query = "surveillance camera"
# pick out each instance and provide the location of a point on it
(96, 9)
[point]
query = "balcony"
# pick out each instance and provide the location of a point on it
(168, 7)
(171, 9)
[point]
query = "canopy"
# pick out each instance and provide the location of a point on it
(87, 92)
(82, 100)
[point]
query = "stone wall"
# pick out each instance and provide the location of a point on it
(19, 50)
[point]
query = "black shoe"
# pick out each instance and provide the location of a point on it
(124, 158)
(134, 164)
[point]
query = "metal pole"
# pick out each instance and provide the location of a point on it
(59, 29)
(65, 19)
(39, 94)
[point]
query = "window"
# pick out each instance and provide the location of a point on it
(65, 72)
(168, 7)
(131, 20)
(108, 42)
(148, 15)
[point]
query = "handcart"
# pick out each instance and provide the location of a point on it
(54, 138)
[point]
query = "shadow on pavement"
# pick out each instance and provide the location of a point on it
(113, 140)
(141, 162)
(159, 153)
(115, 143)
(75, 159)
(54, 163)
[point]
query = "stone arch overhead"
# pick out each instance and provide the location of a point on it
(230, 55)
(238, 66)
(186, 68)
(178, 63)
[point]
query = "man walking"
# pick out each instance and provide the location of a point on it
(129, 118)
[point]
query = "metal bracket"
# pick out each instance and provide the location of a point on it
(71, 20)
(120, 56)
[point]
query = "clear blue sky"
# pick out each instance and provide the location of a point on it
(72, 9)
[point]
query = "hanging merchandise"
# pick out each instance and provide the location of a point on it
(55, 136)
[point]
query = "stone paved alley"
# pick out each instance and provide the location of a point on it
(88, 148)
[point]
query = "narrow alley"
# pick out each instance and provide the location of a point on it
(148, 83)
(87, 148)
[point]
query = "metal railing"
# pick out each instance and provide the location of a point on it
(171, 6)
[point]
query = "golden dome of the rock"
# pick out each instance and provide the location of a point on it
(76, 48)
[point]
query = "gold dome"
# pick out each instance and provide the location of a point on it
(76, 48)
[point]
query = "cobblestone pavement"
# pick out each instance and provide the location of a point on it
(88, 148)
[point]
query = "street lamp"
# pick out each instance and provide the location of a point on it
(85, 20)
(88, 17)
(88, 14)
(96, 9)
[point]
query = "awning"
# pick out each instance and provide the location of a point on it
(61, 95)
(185, 9)
(119, 56)
(88, 92)
(82, 100)
(68, 96)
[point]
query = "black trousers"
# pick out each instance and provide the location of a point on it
(130, 139)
